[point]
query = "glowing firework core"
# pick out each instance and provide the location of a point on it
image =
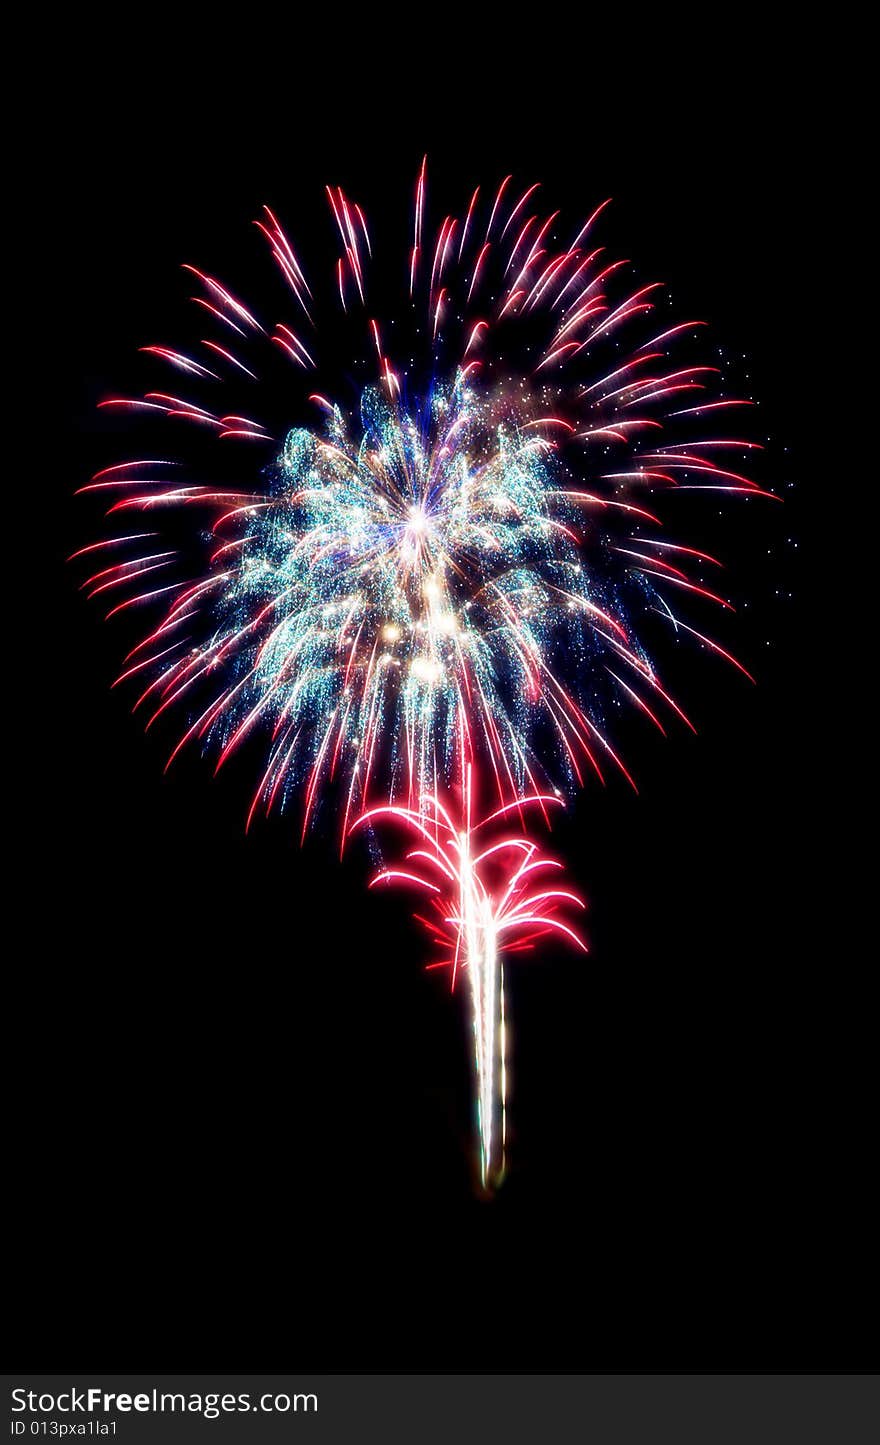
(411, 581)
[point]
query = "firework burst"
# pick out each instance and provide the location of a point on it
(446, 576)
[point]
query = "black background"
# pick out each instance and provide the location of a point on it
(241, 1111)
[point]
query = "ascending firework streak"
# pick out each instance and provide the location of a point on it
(488, 898)
(433, 596)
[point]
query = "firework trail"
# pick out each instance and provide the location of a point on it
(426, 597)
(489, 896)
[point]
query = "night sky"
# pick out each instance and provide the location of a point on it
(241, 1116)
